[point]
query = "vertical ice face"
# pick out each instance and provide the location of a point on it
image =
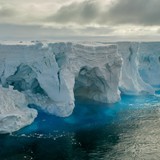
(34, 70)
(14, 113)
(50, 75)
(89, 70)
(131, 81)
(149, 63)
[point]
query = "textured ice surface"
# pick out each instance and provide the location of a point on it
(14, 113)
(131, 83)
(149, 63)
(51, 75)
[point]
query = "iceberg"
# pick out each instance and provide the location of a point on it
(131, 82)
(51, 75)
(14, 113)
(149, 63)
(90, 71)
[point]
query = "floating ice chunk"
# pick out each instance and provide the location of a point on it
(14, 113)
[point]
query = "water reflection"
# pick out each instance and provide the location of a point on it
(128, 130)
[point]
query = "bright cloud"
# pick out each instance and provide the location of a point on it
(79, 17)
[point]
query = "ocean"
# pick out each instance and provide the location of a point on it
(127, 130)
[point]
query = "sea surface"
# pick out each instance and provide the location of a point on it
(128, 130)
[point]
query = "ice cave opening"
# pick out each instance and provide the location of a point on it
(24, 79)
(89, 84)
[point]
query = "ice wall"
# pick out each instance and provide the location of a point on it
(51, 76)
(149, 63)
(90, 70)
(46, 74)
(131, 82)
(33, 70)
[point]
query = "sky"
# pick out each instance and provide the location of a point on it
(47, 19)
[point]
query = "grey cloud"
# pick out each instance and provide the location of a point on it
(97, 30)
(108, 19)
(80, 13)
(8, 31)
(136, 12)
(141, 12)
(7, 12)
(35, 32)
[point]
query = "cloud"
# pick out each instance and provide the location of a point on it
(85, 12)
(81, 12)
(135, 12)
(8, 31)
(120, 12)
(41, 18)
(26, 12)
(6, 11)
(100, 31)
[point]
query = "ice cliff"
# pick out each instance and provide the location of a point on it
(131, 82)
(51, 76)
(149, 63)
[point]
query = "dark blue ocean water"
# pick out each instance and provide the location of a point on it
(127, 130)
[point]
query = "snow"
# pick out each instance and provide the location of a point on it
(14, 113)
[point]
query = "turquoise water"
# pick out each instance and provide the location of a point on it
(127, 130)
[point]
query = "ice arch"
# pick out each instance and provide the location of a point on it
(91, 84)
(25, 79)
